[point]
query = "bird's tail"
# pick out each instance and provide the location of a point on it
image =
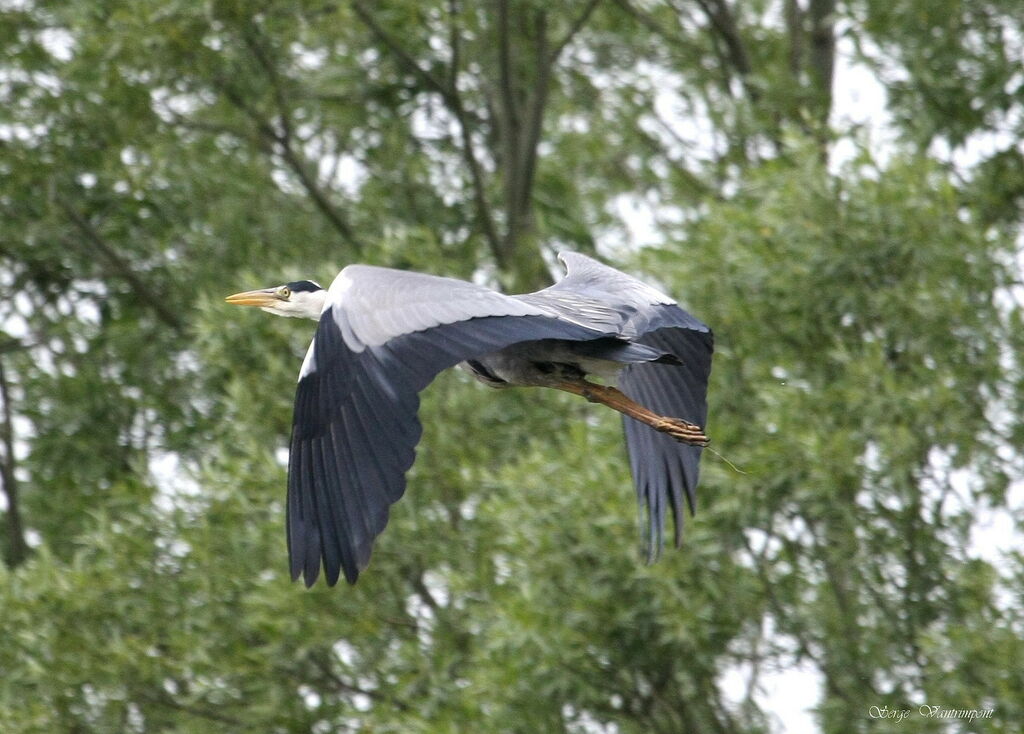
(625, 352)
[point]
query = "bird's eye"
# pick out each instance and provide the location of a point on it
(284, 292)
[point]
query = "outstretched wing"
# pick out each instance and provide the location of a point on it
(663, 469)
(383, 336)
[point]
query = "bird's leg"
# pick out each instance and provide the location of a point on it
(677, 428)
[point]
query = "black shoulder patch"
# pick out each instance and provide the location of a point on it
(304, 286)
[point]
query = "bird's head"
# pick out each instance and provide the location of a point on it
(301, 299)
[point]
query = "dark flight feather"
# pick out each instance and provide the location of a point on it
(355, 431)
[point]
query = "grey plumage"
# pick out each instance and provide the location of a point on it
(385, 334)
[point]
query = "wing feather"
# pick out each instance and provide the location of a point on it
(332, 518)
(385, 334)
(381, 303)
(674, 390)
(664, 471)
(355, 427)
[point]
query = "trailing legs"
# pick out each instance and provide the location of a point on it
(677, 428)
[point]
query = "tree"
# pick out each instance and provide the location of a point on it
(157, 156)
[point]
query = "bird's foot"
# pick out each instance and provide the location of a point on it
(682, 431)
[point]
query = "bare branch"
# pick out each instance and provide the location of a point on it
(283, 143)
(454, 101)
(286, 140)
(121, 268)
(822, 54)
(323, 664)
(251, 38)
(509, 132)
(645, 19)
(160, 698)
(203, 126)
(420, 587)
(724, 23)
(535, 113)
(727, 46)
(455, 44)
(406, 59)
(576, 27)
(300, 167)
(510, 112)
(795, 28)
(483, 207)
(17, 548)
(449, 93)
(11, 345)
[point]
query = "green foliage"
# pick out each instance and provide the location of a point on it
(156, 156)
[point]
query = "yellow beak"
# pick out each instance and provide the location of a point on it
(263, 297)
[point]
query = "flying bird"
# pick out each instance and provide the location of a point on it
(384, 334)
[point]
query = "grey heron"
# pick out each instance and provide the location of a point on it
(382, 337)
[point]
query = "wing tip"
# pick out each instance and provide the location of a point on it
(310, 576)
(309, 571)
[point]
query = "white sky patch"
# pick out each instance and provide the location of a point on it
(15, 324)
(583, 722)
(344, 172)
(346, 653)
(432, 121)
(58, 42)
(23, 133)
(282, 178)
(170, 104)
(683, 126)
(213, 42)
(859, 101)
(640, 219)
(858, 97)
(174, 483)
(787, 696)
(994, 533)
(309, 697)
(980, 146)
(309, 59)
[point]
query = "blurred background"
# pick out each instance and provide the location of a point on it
(835, 186)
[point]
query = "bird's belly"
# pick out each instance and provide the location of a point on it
(538, 364)
(483, 373)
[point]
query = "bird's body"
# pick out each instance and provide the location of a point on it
(384, 334)
(549, 362)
